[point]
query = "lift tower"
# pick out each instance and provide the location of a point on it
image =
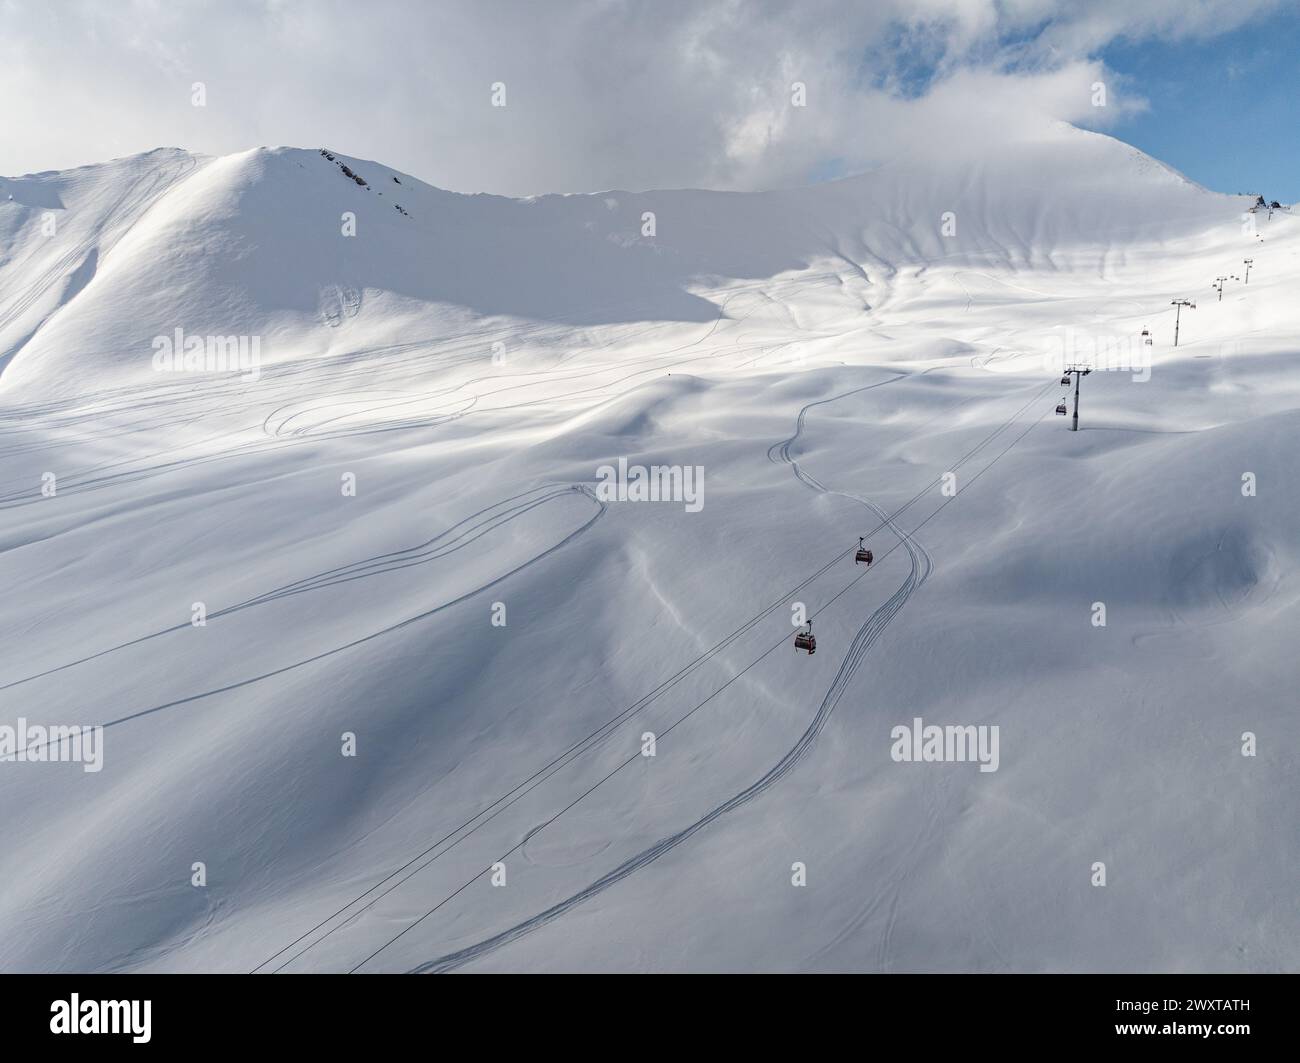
(1180, 303)
(1078, 372)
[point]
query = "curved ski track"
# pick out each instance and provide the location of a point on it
(867, 634)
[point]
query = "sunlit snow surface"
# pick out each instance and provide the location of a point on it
(826, 354)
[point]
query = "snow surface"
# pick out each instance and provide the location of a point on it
(826, 354)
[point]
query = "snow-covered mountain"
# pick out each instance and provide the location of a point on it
(391, 513)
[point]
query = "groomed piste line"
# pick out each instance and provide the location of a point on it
(489, 812)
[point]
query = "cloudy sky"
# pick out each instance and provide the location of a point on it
(647, 93)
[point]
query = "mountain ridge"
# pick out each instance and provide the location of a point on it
(247, 243)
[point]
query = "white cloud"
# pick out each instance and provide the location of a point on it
(601, 93)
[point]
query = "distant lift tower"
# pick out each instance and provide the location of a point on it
(1218, 283)
(1247, 263)
(1180, 303)
(1078, 372)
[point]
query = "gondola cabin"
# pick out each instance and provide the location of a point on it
(863, 556)
(806, 640)
(1060, 408)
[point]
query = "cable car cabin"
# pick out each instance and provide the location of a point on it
(1060, 408)
(863, 556)
(1065, 380)
(805, 640)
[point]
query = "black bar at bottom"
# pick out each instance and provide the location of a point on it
(338, 1013)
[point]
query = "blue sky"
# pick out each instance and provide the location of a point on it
(1226, 112)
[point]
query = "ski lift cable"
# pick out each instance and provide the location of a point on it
(560, 761)
(595, 736)
(682, 719)
(848, 670)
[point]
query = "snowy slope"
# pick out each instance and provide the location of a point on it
(826, 354)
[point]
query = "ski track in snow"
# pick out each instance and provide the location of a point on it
(863, 640)
(129, 207)
(275, 423)
(446, 543)
(240, 684)
(781, 453)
